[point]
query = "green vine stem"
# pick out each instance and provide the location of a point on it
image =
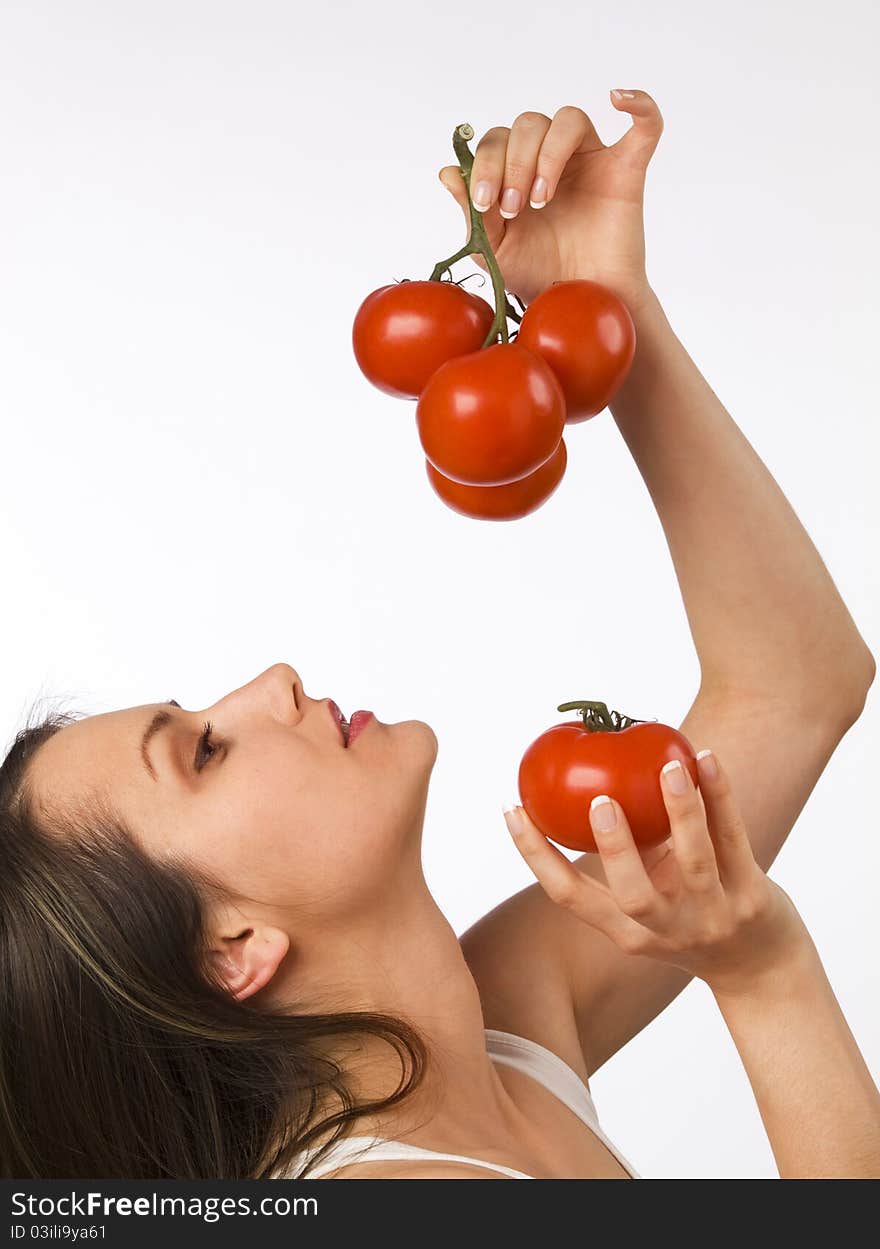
(478, 242)
(598, 719)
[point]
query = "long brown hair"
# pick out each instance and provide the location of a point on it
(121, 1054)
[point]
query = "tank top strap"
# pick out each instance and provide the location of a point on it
(557, 1076)
(547, 1068)
(542, 1064)
(375, 1149)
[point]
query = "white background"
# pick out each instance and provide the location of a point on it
(198, 482)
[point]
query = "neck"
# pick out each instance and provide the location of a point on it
(407, 962)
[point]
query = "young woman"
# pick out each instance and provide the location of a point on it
(219, 954)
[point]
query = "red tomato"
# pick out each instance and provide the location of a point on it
(586, 335)
(404, 331)
(565, 768)
(491, 417)
(509, 502)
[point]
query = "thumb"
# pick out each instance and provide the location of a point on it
(644, 134)
(453, 179)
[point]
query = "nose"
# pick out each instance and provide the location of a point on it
(278, 690)
(287, 685)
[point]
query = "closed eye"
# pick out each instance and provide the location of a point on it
(205, 750)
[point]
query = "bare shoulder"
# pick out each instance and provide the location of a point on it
(522, 977)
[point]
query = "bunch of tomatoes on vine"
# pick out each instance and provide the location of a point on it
(492, 405)
(491, 411)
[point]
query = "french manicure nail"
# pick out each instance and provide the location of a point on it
(482, 196)
(603, 814)
(707, 765)
(511, 201)
(538, 193)
(675, 777)
(512, 817)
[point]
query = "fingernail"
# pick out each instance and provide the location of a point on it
(675, 777)
(603, 814)
(511, 201)
(512, 817)
(623, 95)
(538, 193)
(707, 765)
(482, 196)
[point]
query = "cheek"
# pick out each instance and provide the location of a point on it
(274, 837)
(293, 829)
(323, 854)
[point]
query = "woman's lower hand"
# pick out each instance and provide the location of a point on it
(699, 901)
(591, 226)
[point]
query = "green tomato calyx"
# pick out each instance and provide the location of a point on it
(598, 719)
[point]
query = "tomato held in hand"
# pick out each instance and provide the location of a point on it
(604, 753)
(403, 332)
(509, 502)
(491, 417)
(586, 335)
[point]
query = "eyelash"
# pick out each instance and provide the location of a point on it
(204, 743)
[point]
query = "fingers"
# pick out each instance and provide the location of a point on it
(523, 164)
(628, 880)
(692, 844)
(571, 131)
(489, 154)
(736, 859)
(641, 139)
(563, 883)
(488, 170)
(523, 145)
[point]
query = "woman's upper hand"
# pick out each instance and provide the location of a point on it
(592, 224)
(699, 901)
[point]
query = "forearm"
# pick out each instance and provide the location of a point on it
(819, 1105)
(763, 610)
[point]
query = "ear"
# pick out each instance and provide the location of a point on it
(247, 962)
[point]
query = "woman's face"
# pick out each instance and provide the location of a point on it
(282, 811)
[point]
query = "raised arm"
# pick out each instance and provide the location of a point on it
(764, 613)
(705, 907)
(784, 671)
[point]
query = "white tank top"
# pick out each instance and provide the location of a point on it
(535, 1060)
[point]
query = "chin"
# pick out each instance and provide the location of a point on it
(422, 737)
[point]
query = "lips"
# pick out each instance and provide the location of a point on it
(340, 720)
(359, 721)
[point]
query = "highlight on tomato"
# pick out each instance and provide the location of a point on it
(587, 336)
(404, 331)
(491, 417)
(507, 502)
(604, 752)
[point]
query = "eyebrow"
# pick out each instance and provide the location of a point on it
(159, 721)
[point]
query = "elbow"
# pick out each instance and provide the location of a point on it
(860, 674)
